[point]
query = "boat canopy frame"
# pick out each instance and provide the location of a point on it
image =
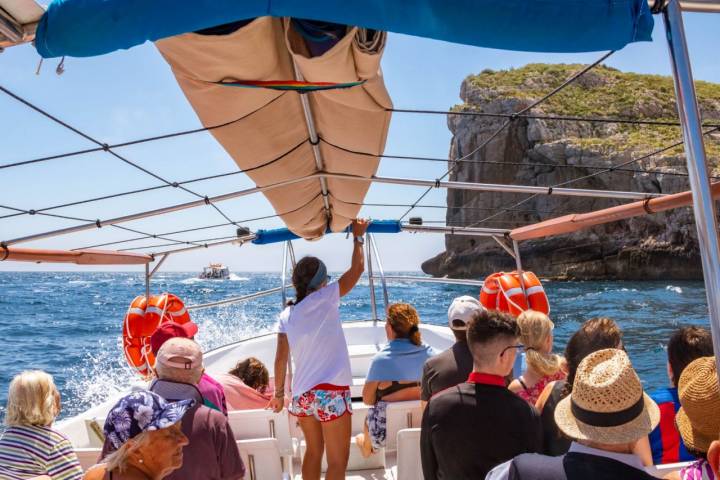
(701, 191)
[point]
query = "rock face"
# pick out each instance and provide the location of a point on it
(551, 152)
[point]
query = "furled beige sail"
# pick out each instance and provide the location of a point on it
(274, 127)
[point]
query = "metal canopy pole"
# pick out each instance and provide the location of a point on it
(371, 237)
(518, 265)
(283, 275)
(147, 281)
(315, 143)
(703, 203)
(371, 282)
(159, 264)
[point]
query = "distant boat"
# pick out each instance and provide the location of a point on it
(215, 271)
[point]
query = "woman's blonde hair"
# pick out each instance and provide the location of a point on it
(535, 329)
(119, 460)
(404, 320)
(33, 399)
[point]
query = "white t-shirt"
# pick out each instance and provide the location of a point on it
(317, 342)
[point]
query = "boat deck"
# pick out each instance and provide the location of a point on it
(272, 444)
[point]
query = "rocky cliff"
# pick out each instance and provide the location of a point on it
(550, 152)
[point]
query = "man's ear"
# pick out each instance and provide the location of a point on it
(713, 456)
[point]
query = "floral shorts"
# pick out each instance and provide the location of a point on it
(377, 424)
(324, 402)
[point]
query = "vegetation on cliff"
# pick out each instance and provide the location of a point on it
(604, 92)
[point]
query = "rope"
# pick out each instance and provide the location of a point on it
(561, 118)
(207, 227)
(138, 141)
(96, 221)
(105, 147)
(497, 162)
(508, 121)
(585, 177)
(157, 187)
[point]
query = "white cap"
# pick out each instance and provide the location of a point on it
(462, 310)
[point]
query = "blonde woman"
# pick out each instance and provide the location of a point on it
(394, 374)
(543, 366)
(30, 448)
(145, 431)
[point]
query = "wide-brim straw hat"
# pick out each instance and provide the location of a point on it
(607, 403)
(698, 420)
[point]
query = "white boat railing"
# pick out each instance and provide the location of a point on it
(239, 299)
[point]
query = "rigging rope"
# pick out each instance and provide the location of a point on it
(157, 187)
(498, 162)
(207, 227)
(79, 219)
(510, 120)
(585, 177)
(105, 147)
(561, 118)
(140, 140)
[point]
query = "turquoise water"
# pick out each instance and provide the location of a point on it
(69, 323)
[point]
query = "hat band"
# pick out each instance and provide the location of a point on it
(607, 419)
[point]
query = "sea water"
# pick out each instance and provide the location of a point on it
(69, 324)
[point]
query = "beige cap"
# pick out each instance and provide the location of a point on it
(607, 403)
(180, 353)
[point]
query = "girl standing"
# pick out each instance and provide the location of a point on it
(311, 329)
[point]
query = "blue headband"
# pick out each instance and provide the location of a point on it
(319, 277)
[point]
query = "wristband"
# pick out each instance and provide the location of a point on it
(280, 394)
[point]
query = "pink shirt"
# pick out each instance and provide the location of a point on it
(213, 393)
(242, 397)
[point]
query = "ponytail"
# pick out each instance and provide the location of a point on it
(303, 274)
(404, 321)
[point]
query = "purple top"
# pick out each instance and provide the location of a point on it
(699, 470)
(213, 393)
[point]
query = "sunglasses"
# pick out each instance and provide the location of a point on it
(518, 347)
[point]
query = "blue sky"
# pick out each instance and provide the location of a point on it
(132, 94)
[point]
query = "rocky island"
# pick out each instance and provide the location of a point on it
(549, 152)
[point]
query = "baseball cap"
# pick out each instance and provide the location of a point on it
(169, 330)
(180, 353)
(462, 310)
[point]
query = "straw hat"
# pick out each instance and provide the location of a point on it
(699, 418)
(607, 403)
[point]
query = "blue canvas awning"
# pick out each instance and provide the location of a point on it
(84, 28)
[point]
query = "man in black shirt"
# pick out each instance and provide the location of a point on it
(452, 366)
(470, 428)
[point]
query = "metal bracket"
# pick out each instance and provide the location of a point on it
(505, 245)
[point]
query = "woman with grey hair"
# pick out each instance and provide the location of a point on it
(145, 431)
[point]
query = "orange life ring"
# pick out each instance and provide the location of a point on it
(504, 292)
(512, 300)
(167, 308)
(489, 292)
(536, 296)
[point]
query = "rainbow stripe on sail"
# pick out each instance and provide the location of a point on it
(289, 85)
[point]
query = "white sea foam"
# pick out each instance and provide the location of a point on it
(237, 278)
(192, 280)
(672, 288)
